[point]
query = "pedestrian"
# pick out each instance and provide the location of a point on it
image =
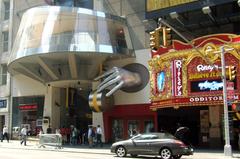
(73, 140)
(24, 136)
(90, 136)
(5, 134)
(64, 134)
(94, 136)
(49, 129)
(239, 138)
(99, 135)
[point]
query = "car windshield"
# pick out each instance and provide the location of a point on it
(153, 136)
(166, 136)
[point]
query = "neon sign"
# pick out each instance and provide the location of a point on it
(206, 85)
(207, 68)
(212, 86)
(28, 107)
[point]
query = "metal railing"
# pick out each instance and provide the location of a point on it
(50, 140)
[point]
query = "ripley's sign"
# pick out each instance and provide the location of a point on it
(203, 71)
(209, 68)
(177, 80)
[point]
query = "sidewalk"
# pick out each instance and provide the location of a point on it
(33, 145)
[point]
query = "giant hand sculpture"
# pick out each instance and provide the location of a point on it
(131, 78)
(118, 78)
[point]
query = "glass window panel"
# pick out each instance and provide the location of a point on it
(117, 130)
(5, 41)
(133, 127)
(6, 9)
(148, 126)
(3, 80)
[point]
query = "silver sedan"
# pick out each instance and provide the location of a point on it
(164, 145)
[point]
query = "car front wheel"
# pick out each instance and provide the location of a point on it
(165, 153)
(121, 151)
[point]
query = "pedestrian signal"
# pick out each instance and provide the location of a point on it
(232, 72)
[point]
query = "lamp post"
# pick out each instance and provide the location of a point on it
(227, 146)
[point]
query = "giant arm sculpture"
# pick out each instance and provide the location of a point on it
(118, 78)
(130, 78)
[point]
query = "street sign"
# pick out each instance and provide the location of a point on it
(230, 90)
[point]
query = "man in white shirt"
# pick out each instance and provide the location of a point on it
(5, 133)
(99, 135)
(24, 135)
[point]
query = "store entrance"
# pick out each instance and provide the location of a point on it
(77, 114)
(169, 119)
(28, 119)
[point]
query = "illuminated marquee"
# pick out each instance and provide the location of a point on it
(189, 79)
(206, 99)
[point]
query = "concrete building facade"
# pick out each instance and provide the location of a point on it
(31, 100)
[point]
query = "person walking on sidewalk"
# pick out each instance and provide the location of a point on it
(24, 136)
(90, 136)
(99, 135)
(5, 134)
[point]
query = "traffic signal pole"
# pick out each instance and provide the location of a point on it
(227, 146)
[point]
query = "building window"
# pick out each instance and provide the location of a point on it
(75, 3)
(5, 41)
(84, 4)
(3, 77)
(6, 9)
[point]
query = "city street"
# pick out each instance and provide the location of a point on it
(7, 153)
(14, 150)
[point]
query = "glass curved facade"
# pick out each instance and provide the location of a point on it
(58, 29)
(64, 30)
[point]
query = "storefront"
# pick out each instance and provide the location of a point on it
(27, 111)
(182, 80)
(3, 113)
(124, 120)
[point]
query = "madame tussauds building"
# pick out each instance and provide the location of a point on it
(187, 90)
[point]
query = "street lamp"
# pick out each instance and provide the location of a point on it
(227, 146)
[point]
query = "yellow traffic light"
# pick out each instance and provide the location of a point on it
(232, 72)
(167, 37)
(155, 38)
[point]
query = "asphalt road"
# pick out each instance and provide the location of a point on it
(13, 153)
